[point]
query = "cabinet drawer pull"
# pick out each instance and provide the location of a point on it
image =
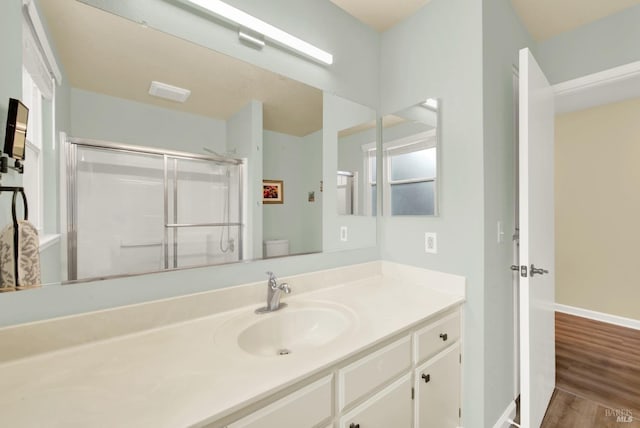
(444, 337)
(354, 425)
(426, 378)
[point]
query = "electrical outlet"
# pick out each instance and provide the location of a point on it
(343, 234)
(430, 243)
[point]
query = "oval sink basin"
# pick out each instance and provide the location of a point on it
(299, 327)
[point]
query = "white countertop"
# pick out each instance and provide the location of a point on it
(180, 375)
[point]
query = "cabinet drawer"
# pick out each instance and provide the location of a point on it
(391, 407)
(436, 336)
(304, 408)
(369, 372)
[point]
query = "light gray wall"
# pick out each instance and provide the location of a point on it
(500, 56)
(104, 117)
(298, 162)
(438, 53)
(609, 42)
(10, 85)
(245, 140)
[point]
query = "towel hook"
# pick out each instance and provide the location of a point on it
(13, 205)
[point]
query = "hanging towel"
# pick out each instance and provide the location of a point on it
(28, 254)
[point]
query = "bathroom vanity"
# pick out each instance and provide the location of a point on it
(370, 345)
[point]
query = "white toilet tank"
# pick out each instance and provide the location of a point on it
(275, 248)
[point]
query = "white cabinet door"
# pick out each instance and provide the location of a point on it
(391, 407)
(438, 391)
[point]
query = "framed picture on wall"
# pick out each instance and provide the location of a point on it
(272, 192)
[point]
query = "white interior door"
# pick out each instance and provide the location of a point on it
(537, 284)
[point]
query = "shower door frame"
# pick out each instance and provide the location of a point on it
(71, 150)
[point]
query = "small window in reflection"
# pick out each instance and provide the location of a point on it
(347, 185)
(412, 179)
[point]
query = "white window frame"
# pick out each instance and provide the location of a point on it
(43, 73)
(33, 167)
(368, 154)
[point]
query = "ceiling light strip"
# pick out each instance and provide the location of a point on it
(274, 34)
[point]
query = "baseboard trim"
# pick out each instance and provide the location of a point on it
(509, 414)
(599, 316)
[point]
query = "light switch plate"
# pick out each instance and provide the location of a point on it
(343, 234)
(431, 243)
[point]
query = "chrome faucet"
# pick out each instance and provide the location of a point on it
(274, 291)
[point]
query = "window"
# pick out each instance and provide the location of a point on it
(411, 179)
(409, 175)
(370, 171)
(32, 178)
(38, 95)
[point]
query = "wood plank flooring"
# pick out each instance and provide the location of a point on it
(599, 362)
(567, 410)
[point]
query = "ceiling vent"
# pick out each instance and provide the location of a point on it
(169, 92)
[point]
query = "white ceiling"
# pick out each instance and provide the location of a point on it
(107, 54)
(543, 18)
(547, 18)
(380, 14)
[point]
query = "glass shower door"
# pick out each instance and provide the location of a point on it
(204, 216)
(118, 203)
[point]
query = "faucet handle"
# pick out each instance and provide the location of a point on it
(285, 287)
(271, 275)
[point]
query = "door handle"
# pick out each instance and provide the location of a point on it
(537, 271)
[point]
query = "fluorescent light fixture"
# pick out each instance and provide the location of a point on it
(431, 103)
(250, 39)
(169, 92)
(270, 32)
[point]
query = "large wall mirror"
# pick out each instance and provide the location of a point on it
(410, 144)
(234, 172)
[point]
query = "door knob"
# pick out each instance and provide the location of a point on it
(537, 271)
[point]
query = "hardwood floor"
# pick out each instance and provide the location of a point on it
(597, 376)
(567, 410)
(598, 361)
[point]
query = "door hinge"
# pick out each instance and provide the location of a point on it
(413, 393)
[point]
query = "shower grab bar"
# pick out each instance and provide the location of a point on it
(201, 224)
(141, 244)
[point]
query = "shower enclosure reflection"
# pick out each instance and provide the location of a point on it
(135, 209)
